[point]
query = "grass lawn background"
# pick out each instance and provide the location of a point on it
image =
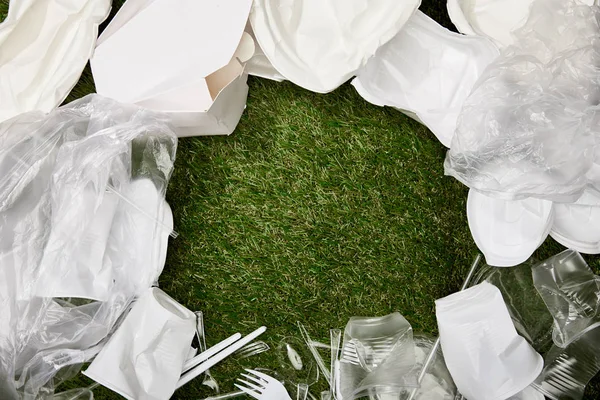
(317, 208)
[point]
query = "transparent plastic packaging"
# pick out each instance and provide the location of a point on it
(437, 383)
(378, 357)
(529, 128)
(73, 159)
(571, 292)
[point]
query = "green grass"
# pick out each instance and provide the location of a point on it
(317, 208)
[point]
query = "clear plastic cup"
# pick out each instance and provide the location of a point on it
(571, 292)
(568, 370)
(378, 357)
(525, 305)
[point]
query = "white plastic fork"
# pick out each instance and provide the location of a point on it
(262, 386)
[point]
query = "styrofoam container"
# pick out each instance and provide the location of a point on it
(320, 44)
(508, 231)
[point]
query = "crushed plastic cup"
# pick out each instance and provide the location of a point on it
(437, 383)
(571, 292)
(508, 231)
(144, 358)
(568, 370)
(577, 225)
(427, 72)
(320, 44)
(526, 307)
(377, 357)
(485, 355)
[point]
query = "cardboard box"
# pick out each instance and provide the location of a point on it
(181, 57)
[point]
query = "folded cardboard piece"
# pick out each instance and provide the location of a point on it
(45, 47)
(164, 57)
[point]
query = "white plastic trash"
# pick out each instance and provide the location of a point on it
(577, 225)
(144, 358)
(508, 231)
(184, 58)
(495, 19)
(320, 44)
(427, 72)
(45, 47)
(486, 357)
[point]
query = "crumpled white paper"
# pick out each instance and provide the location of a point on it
(427, 72)
(320, 44)
(44, 46)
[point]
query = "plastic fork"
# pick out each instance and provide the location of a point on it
(262, 386)
(369, 354)
(252, 349)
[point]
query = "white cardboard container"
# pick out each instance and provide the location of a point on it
(184, 58)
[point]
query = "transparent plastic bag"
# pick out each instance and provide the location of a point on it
(58, 170)
(529, 127)
(571, 292)
(378, 357)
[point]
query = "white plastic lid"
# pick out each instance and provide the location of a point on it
(577, 225)
(508, 231)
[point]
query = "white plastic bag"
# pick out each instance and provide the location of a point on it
(427, 72)
(319, 44)
(75, 158)
(44, 46)
(530, 126)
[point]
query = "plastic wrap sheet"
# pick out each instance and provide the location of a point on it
(530, 126)
(60, 173)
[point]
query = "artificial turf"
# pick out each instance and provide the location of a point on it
(318, 208)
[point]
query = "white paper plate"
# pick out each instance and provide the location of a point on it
(45, 47)
(508, 232)
(319, 44)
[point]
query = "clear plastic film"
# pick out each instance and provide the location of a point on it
(73, 253)
(529, 127)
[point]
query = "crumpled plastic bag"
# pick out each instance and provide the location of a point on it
(530, 126)
(75, 158)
